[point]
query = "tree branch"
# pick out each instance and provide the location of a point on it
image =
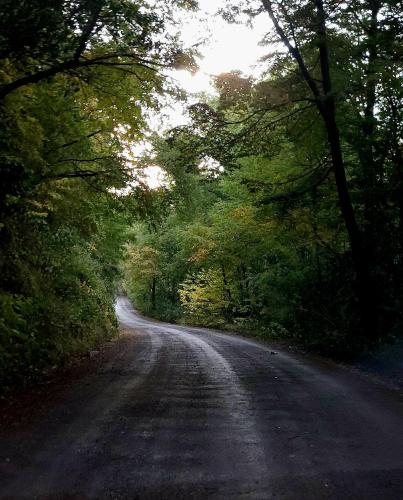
(293, 195)
(87, 31)
(85, 160)
(71, 65)
(294, 51)
(76, 141)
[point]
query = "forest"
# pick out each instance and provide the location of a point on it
(280, 213)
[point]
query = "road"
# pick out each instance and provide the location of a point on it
(179, 412)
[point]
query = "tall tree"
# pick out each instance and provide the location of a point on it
(325, 101)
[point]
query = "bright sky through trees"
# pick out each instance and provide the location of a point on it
(225, 47)
(229, 46)
(280, 204)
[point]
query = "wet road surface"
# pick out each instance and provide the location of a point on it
(186, 413)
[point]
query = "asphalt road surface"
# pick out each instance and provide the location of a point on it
(179, 412)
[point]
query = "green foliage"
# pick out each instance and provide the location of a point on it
(75, 80)
(250, 231)
(261, 242)
(204, 298)
(154, 266)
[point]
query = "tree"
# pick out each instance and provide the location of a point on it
(291, 159)
(325, 102)
(75, 79)
(43, 39)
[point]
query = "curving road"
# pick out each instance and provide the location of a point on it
(185, 413)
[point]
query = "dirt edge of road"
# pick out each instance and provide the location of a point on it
(20, 405)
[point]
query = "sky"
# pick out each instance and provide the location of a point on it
(229, 47)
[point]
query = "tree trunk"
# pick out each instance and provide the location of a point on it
(225, 281)
(366, 150)
(365, 292)
(153, 293)
(326, 105)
